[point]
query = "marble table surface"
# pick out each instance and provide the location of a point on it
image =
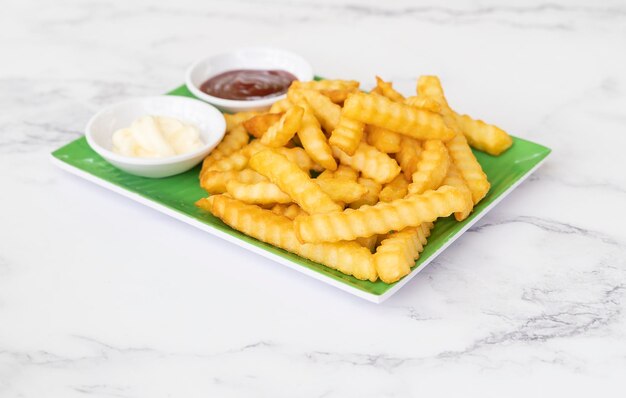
(101, 297)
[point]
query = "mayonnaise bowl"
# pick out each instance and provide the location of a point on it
(208, 119)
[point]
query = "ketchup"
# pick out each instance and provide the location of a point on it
(248, 84)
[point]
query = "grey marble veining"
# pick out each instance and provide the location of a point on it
(529, 302)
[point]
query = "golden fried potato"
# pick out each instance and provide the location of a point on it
(326, 85)
(409, 156)
(371, 195)
(483, 136)
(281, 132)
(397, 253)
(347, 257)
(396, 189)
(368, 242)
(338, 96)
(346, 173)
(380, 218)
(425, 103)
(259, 124)
(454, 179)
(293, 181)
(326, 112)
(290, 210)
(238, 159)
(384, 140)
(431, 169)
(347, 135)
(215, 181)
(313, 139)
(299, 157)
(261, 193)
(370, 162)
(233, 140)
(386, 89)
(281, 106)
(382, 112)
(341, 190)
(235, 119)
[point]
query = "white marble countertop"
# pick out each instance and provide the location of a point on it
(102, 297)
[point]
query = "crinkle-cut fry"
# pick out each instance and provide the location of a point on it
(338, 96)
(281, 106)
(300, 157)
(409, 120)
(233, 140)
(313, 139)
(347, 135)
(238, 159)
(368, 242)
(326, 112)
(458, 148)
(345, 172)
(384, 140)
(215, 181)
(341, 190)
(261, 193)
(454, 179)
(380, 218)
(387, 90)
(235, 119)
(277, 230)
(409, 156)
(293, 181)
(282, 131)
(422, 102)
(371, 196)
(326, 85)
(370, 162)
(259, 124)
(290, 210)
(483, 136)
(396, 189)
(397, 253)
(431, 168)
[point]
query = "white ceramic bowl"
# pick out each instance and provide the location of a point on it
(248, 58)
(103, 124)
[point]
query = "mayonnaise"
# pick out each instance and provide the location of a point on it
(156, 137)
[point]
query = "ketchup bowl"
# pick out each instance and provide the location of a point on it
(256, 59)
(207, 119)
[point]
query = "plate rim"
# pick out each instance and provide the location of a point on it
(374, 298)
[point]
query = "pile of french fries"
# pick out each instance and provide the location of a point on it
(349, 179)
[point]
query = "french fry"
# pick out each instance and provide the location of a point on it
(314, 140)
(215, 181)
(261, 193)
(384, 140)
(259, 124)
(293, 181)
(277, 230)
(239, 159)
(371, 195)
(382, 112)
(344, 172)
(282, 131)
(386, 89)
(370, 162)
(458, 148)
(326, 85)
(290, 210)
(299, 157)
(396, 189)
(454, 179)
(326, 112)
(397, 253)
(347, 135)
(431, 169)
(483, 136)
(424, 103)
(235, 119)
(409, 156)
(341, 190)
(368, 242)
(338, 96)
(233, 140)
(380, 218)
(280, 106)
